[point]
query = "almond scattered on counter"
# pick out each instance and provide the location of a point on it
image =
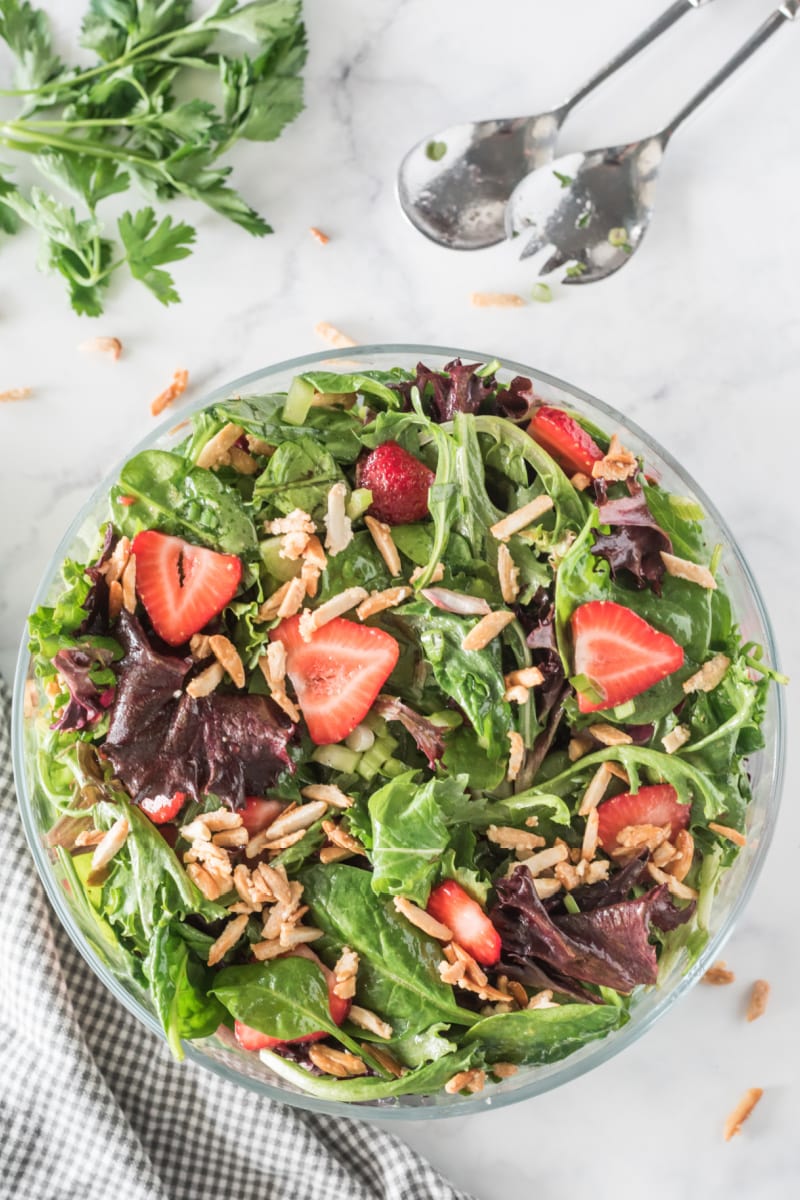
(170, 394)
(110, 346)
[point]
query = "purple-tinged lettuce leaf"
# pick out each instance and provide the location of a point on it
(427, 735)
(516, 402)
(635, 542)
(608, 946)
(88, 700)
(96, 602)
(454, 389)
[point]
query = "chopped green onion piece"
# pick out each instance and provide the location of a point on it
(623, 711)
(618, 237)
(298, 401)
(358, 502)
(393, 767)
(584, 685)
(436, 150)
(584, 219)
(577, 268)
(541, 292)
(564, 180)
(570, 903)
(488, 368)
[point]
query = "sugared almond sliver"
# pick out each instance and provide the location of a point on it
(273, 664)
(386, 1060)
(227, 939)
(113, 841)
(676, 738)
(503, 1070)
(758, 1000)
(364, 1018)
(117, 561)
(516, 755)
(330, 854)
(205, 683)
(16, 393)
(90, 837)
(718, 974)
(709, 676)
(128, 584)
(743, 1109)
(340, 837)
(517, 694)
(619, 772)
(580, 481)
(633, 837)
(264, 951)
(487, 629)
(733, 835)
(220, 818)
(200, 646)
(256, 445)
(545, 888)
(231, 839)
(205, 881)
(598, 785)
(680, 866)
(509, 838)
(345, 973)
(333, 336)
(218, 446)
(617, 464)
(590, 836)
(329, 793)
(508, 574)
(314, 555)
(299, 818)
(299, 935)
(312, 620)
(470, 1081)
(610, 735)
(382, 537)
(339, 527)
(340, 1063)
(681, 890)
(379, 601)
(546, 859)
(543, 999)
(310, 574)
(496, 300)
(297, 521)
(683, 568)
(286, 596)
(180, 380)
(526, 677)
(110, 346)
(436, 577)
(520, 519)
(318, 235)
(227, 656)
(422, 920)
(579, 745)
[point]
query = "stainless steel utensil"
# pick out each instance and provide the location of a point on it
(454, 185)
(593, 208)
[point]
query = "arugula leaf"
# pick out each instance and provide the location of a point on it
(175, 497)
(148, 248)
(398, 975)
(543, 1035)
(430, 1078)
(409, 836)
(358, 565)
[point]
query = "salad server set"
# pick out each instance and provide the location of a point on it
(473, 185)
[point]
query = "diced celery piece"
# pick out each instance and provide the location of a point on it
(278, 567)
(358, 502)
(338, 758)
(298, 401)
(448, 718)
(393, 767)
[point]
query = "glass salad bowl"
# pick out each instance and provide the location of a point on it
(222, 1055)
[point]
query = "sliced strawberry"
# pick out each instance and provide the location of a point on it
(161, 809)
(564, 440)
(252, 1039)
(620, 653)
(337, 673)
(257, 813)
(471, 927)
(399, 484)
(655, 805)
(182, 586)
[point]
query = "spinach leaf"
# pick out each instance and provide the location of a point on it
(179, 989)
(262, 416)
(427, 1046)
(398, 975)
(430, 1078)
(543, 1035)
(368, 383)
(299, 475)
(464, 754)
(408, 836)
(358, 565)
(177, 498)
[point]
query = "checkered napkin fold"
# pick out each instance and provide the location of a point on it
(92, 1104)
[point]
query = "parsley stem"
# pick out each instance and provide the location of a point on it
(12, 131)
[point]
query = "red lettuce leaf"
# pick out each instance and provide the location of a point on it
(427, 735)
(88, 701)
(635, 542)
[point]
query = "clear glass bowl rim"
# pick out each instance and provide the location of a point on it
(603, 1050)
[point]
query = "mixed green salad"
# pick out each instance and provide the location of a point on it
(396, 730)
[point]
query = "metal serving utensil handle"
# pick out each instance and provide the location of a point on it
(648, 35)
(787, 12)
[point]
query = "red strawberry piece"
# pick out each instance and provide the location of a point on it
(252, 1039)
(399, 484)
(126, 501)
(564, 440)
(337, 674)
(471, 927)
(655, 805)
(182, 586)
(257, 813)
(161, 809)
(620, 653)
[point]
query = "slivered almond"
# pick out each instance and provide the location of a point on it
(318, 235)
(116, 599)
(231, 838)
(263, 951)
(16, 393)
(610, 735)
(90, 837)
(340, 837)
(340, 1063)
(422, 920)
(527, 677)
(339, 527)
(503, 1070)
(598, 785)
(110, 346)
(580, 481)
(298, 936)
(301, 817)
(312, 620)
(589, 845)
(579, 745)
(205, 881)
(546, 859)
(521, 518)
(379, 601)
(242, 462)
(682, 568)
(112, 842)
(205, 683)
(617, 464)
(684, 845)
(333, 336)
(345, 973)
(382, 537)
(718, 974)
(256, 446)
(310, 576)
(743, 1109)
(709, 676)
(676, 738)
(510, 838)
(297, 521)
(227, 939)
(508, 574)
(314, 555)
(545, 888)
(436, 577)
(733, 835)
(487, 629)
(516, 755)
(227, 656)
(618, 771)
(200, 646)
(758, 1000)
(469, 1081)
(329, 793)
(180, 380)
(386, 1060)
(329, 854)
(220, 818)
(215, 451)
(542, 999)
(496, 300)
(681, 890)
(288, 597)
(364, 1018)
(634, 837)
(517, 694)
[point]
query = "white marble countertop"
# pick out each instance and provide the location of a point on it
(698, 340)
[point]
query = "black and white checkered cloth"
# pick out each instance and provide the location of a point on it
(93, 1106)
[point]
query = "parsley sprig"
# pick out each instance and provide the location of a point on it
(135, 117)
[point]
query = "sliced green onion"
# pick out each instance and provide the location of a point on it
(575, 269)
(488, 368)
(570, 903)
(542, 293)
(623, 711)
(436, 150)
(584, 685)
(564, 180)
(618, 237)
(358, 502)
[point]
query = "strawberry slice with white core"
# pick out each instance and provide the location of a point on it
(161, 809)
(654, 805)
(182, 586)
(337, 674)
(253, 1039)
(565, 440)
(258, 813)
(471, 927)
(619, 653)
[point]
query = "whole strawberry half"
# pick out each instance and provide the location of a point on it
(471, 927)
(399, 484)
(564, 440)
(182, 586)
(657, 804)
(337, 673)
(619, 652)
